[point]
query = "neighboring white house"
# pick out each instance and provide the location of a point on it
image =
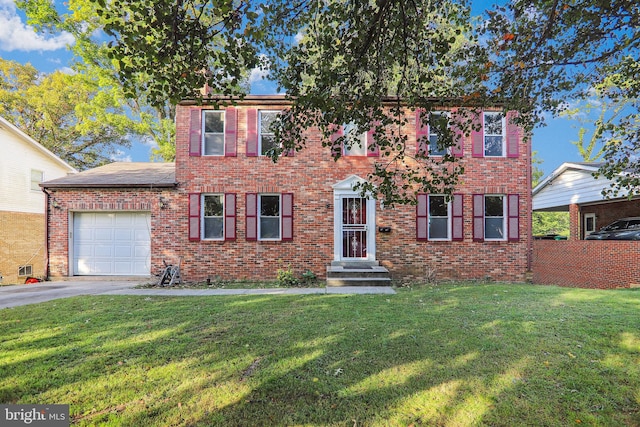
(24, 164)
(573, 188)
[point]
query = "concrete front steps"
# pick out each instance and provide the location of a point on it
(357, 273)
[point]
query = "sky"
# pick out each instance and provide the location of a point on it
(19, 42)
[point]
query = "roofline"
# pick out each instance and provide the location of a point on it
(283, 99)
(558, 171)
(5, 123)
(116, 186)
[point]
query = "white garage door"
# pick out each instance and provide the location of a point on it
(112, 243)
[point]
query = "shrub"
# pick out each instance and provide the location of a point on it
(286, 278)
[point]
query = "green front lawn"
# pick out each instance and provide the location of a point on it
(451, 355)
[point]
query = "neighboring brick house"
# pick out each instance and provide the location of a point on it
(234, 214)
(24, 163)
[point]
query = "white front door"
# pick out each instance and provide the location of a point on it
(354, 224)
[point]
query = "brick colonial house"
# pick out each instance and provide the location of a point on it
(229, 212)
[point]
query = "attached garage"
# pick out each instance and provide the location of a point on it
(100, 222)
(111, 243)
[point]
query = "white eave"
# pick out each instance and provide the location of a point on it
(35, 144)
(571, 183)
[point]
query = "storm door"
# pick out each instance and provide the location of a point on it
(354, 222)
(354, 228)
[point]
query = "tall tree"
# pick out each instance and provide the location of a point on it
(64, 112)
(143, 120)
(543, 53)
(337, 60)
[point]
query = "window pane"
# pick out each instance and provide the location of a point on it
(438, 228)
(213, 205)
(214, 144)
(214, 121)
(268, 142)
(438, 206)
(493, 206)
(355, 143)
(434, 148)
(266, 119)
(589, 225)
(493, 145)
(269, 205)
(36, 179)
(213, 228)
(493, 124)
(269, 228)
(493, 228)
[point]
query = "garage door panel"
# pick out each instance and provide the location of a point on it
(102, 251)
(105, 234)
(123, 251)
(124, 234)
(111, 243)
(103, 219)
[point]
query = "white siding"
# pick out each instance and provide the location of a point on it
(18, 157)
(570, 187)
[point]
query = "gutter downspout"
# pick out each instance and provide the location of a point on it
(46, 234)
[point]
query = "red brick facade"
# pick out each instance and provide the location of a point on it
(601, 264)
(309, 176)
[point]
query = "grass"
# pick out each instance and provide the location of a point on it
(448, 355)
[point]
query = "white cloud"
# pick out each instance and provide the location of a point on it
(260, 72)
(120, 156)
(16, 35)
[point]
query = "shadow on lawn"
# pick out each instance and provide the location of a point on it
(442, 356)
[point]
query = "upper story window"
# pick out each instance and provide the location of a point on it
(356, 143)
(438, 121)
(267, 139)
(213, 133)
(36, 178)
(213, 216)
(494, 135)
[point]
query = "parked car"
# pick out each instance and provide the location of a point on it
(622, 229)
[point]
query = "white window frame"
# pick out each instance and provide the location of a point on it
(35, 183)
(449, 221)
(504, 218)
(354, 151)
(259, 217)
(431, 133)
(260, 133)
(26, 269)
(204, 133)
(586, 230)
(202, 215)
(485, 134)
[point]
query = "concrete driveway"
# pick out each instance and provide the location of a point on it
(12, 296)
